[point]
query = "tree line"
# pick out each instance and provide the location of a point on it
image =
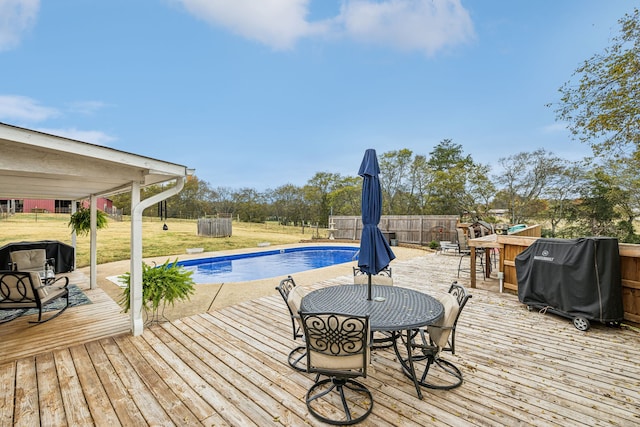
(596, 196)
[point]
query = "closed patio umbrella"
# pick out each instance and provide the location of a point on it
(375, 252)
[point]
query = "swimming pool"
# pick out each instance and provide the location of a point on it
(266, 264)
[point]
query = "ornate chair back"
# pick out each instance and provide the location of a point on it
(338, 348)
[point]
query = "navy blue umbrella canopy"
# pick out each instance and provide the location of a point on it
(375, 252)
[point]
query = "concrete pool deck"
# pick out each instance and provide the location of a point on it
(218, 295)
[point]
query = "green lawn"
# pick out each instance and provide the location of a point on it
(114, 241)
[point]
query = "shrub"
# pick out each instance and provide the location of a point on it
(161, 285)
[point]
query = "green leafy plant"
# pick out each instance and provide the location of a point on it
(80, 221)
(161, 285)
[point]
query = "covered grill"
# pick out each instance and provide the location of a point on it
(575, 278)
(63, 254)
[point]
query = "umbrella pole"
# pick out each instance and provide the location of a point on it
(369, 287)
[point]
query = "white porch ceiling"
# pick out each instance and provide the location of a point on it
(43, 166)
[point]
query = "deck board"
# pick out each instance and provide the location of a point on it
(49, 391)
(100, 319)
(229, 368)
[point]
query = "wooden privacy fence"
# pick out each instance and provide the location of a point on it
(412, 229)
(214, 227)
(512, 245)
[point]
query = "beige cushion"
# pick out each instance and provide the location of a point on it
(29, 260)
(295, 300)
(325, 361)
(43, 291)
(440, 331)
(20, 289)
(340, 361)
(376, 279)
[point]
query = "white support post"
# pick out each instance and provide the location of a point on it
(74, 242)
(135, 279)
(137, 207)
(93, 269)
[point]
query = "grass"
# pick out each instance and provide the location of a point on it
(114, 241)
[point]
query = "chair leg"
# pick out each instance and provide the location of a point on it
(481, 266)
(58, 313)
(297, 359)
(448, 379)
(348, 391)
(436, 373)
(383, 341)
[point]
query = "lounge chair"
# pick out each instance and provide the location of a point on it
(32, 260)
(21, 290)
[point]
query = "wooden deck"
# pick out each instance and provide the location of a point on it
(228, 368)
(103, 318)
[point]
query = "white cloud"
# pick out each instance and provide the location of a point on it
(277, 23)
(23, 109)
(16, 107)
(421, 25)
(91, 136)
(16, 17)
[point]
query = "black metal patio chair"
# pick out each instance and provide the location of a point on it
(20, 291)
(428, 344)
(292, 296)
(338, 348)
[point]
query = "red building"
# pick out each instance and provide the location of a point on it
(49, 205)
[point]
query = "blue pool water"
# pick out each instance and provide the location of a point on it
(266, 264)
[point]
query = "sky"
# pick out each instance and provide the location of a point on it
(262, 93)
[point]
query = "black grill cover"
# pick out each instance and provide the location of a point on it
(64, 254)
(576, 277)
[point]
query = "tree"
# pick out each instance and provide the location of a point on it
(597, 212)
(191, 202)
(449, 167)
(624, 173)
(317, 195)
(287, 204)
(222, 200)
(394, 170)
(250, 205)
(561, 193)
(603, 107)
(421, 177)
(345, 199)
(479, 191)
(524, 177)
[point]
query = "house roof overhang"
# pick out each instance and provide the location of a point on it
(39, 165)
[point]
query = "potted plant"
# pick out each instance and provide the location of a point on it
(80, 221)
(161, 285)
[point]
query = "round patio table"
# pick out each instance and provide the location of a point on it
(391, 308)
